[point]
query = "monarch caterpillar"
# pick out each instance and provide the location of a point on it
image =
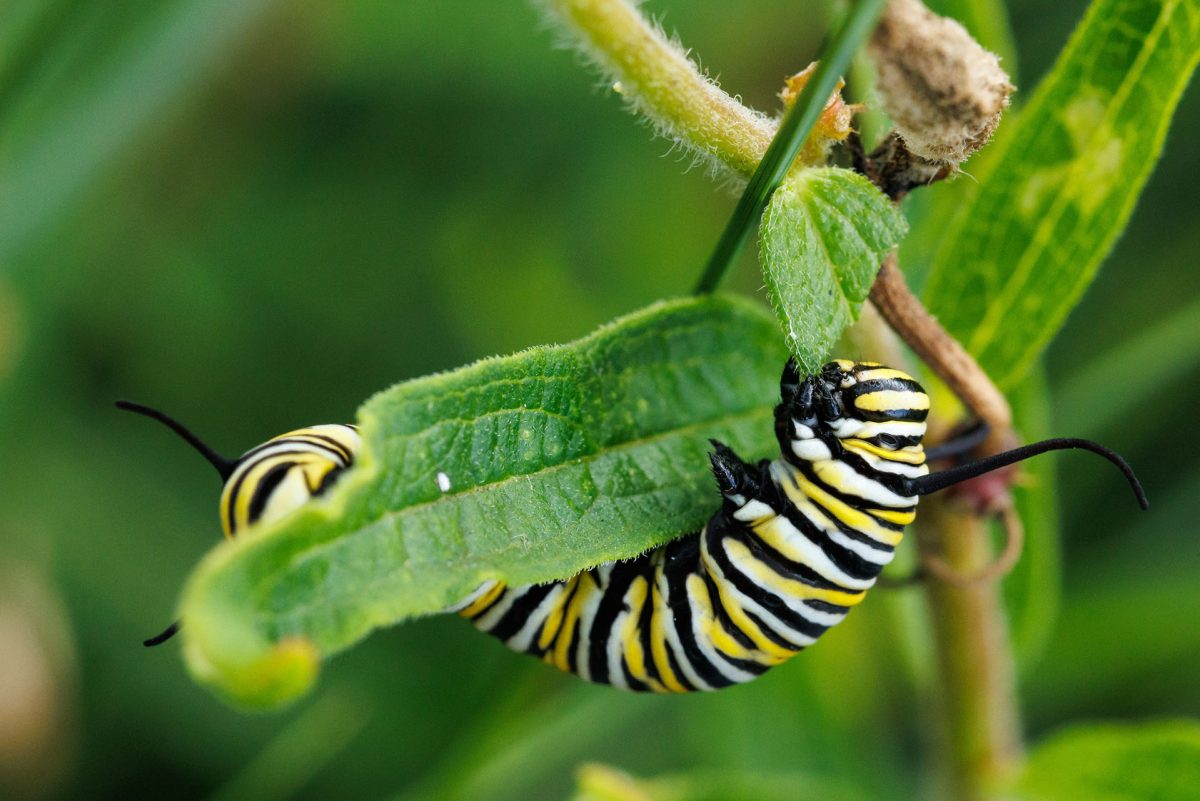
(796, 543)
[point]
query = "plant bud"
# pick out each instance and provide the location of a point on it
(944, 92)
(834, 124)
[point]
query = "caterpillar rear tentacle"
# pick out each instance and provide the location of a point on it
(269, 481)
(796, 543)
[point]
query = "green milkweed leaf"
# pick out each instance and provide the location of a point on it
(528, 468)
(1054, 197)
(823, 236)
(1159, 761)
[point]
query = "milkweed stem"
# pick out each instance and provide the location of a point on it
(979, 740)
(660, 83)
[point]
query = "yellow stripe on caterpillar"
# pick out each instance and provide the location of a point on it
(892, 400)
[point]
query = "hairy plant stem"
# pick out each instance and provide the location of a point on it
(657, 77)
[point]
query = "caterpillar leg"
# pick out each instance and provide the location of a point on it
(736, 480)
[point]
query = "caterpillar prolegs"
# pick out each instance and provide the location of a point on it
(796, 543)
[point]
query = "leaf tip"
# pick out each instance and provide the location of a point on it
(281, 675)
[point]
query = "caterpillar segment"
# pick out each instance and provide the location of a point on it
(796, 544)
(283, 473)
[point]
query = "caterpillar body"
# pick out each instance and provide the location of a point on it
(796, 543)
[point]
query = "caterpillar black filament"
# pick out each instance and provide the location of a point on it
(796, 544)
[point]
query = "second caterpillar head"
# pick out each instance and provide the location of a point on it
(284, 473)
(271, 480)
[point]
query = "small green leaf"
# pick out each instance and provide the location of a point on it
(824, 235)
(526, 468)
(790, 140)
(1159, 761)
(1053, 199)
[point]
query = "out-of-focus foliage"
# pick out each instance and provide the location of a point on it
(524, 468)
(357, 193)
(1116, 763)
(603, 783)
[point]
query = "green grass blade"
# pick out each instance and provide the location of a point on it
(793, 130)
(557, 458)
(1051, 203)
(823, 237)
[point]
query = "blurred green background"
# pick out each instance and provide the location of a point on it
(255, 213)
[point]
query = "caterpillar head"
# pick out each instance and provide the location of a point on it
(879, 413)
(268, 481)
(271, 480)
(862, 406)
(284, 473)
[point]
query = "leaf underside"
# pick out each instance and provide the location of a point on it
(556, 459)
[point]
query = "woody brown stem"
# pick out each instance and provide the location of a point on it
(944, 355)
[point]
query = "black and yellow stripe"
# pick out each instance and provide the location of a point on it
(796, 544)
(283, 473)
